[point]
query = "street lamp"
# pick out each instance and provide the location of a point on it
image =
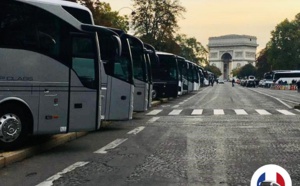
(132, 11)
(132, 14)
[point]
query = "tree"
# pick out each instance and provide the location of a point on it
(103, 14)
(191, 49)
(262, 63)
(155, 21)
(213, 69)
(247, 70)
(284, 51)
(235, 72)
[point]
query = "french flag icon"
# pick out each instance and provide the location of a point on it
(272, 177)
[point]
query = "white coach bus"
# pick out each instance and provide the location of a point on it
(50, 75)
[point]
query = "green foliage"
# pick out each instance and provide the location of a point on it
(247, 70)
(235, 72)
(213, 69)
(103, 14)
(191, 49)
(262, 63)
(284, 50)
(155, 22)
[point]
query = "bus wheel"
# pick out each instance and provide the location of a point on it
(154, 94)
(13, 129)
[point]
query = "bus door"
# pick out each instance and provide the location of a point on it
(84, 100)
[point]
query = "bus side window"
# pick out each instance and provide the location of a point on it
(17, 26)
(83, 62)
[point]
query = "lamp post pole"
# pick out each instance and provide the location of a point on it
(132, 14)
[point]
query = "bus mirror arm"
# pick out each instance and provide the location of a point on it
(118, 45)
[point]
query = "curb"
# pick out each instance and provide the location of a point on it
(7, 158)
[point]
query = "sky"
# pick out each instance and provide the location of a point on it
(211, 18)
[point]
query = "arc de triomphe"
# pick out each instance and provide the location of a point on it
(231, 51)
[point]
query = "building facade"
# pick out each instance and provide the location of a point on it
(231, 51)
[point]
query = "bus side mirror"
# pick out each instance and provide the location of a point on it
(47, 42)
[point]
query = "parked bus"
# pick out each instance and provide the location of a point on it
(140, 74)
(165, 76)
(51, 76)
(281, 77)
(117, 76)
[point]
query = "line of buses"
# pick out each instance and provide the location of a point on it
(62, 73)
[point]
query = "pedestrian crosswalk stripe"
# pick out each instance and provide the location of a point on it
(219, 112)
(197, 112)
(285, 112)
(240, 112)
(262, 112)
(154, 112)
(175, 112)
(207, 112)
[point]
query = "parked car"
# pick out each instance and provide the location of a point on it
(262, 83)
(221, 81)
(250, 83)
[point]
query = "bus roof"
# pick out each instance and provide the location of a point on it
(287, 71)
(57, 2)
(164, 53)
(56, 7)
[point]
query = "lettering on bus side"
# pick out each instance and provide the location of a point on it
(11, 78)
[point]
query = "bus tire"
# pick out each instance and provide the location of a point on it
(13, 127)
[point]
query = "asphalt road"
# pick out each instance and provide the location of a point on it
(218, 136)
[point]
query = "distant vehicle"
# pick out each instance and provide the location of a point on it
(205, 81)
(221, 81)
(262, 83)
(277, 76)
(251, 81)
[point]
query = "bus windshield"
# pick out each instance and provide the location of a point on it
(167, 69)
(138, 58)
(116, 66)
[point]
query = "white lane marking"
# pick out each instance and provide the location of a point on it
(110, 146)
(197, 112)
(152, 120)
(240, 112)
(181, 102)
(175, 106)
(219, 112)
(175, 112)
(290, 101)
(262, 112)
(285, 112)
(288, 106)
(136, 130)
(50, 180)
(297, 110)
(154, 112)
